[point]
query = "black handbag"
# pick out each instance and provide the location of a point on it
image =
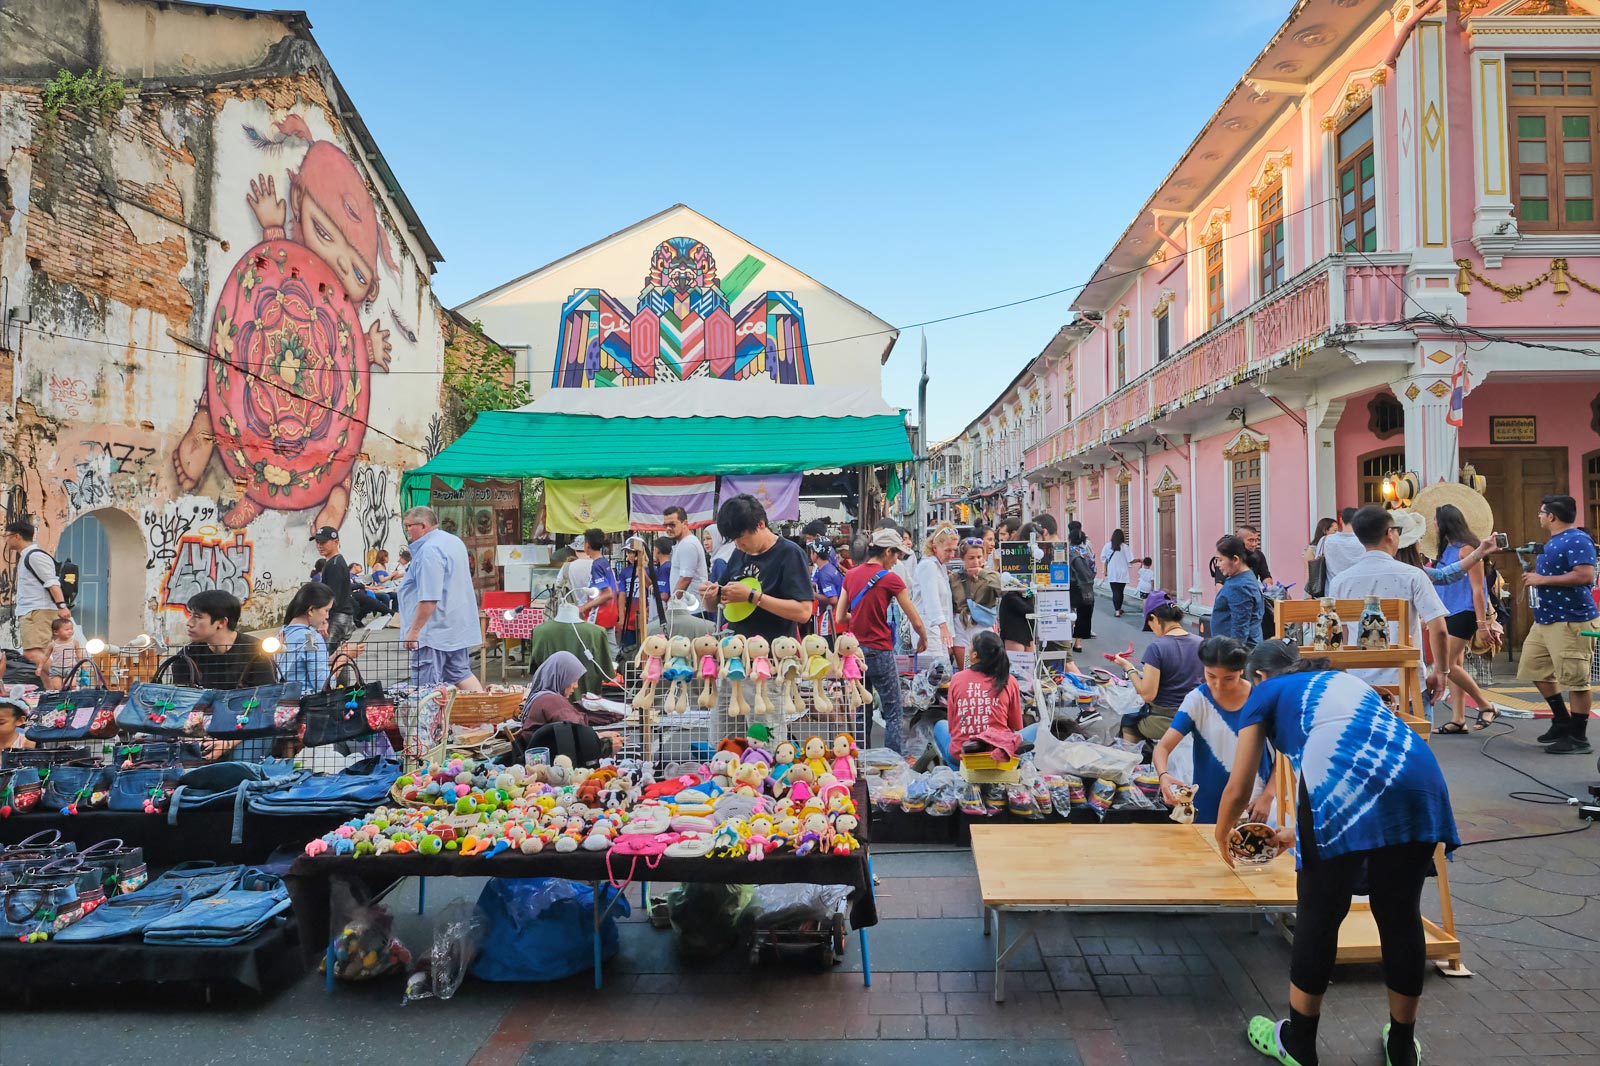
(1317, 578)
(338, 712)
(76, 713)
(257, 711)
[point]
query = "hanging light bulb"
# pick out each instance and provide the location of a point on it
(271, 645)
(95, 646)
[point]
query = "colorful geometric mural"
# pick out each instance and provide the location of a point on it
(682, 327)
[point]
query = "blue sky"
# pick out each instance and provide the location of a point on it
(922, 159)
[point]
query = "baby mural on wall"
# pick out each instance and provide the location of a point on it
(288, 382)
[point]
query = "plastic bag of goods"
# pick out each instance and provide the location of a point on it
(542, 928)
(364, 944)
(458, 933)
(972, 804)
(886, 790)
(944, 795)
(792, 906)
(1129, 795)
(706, 918)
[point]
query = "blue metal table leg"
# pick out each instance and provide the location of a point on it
(597, 935)
(422, 894)
(866, 954)
(327, 962)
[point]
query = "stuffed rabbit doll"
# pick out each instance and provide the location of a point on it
(853, 668)
(651, 654)
(705, 653)
(786, 650)
(735, 667)
(757, 651)
(680, 673)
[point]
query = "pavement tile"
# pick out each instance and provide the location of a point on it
(903, 1028)
(932, 1003)
(927, 982)
(958, 981)
(942, 1027)
(893, 1002)
(1111, 986)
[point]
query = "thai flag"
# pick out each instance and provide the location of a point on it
(1460, 385)
(649, 496)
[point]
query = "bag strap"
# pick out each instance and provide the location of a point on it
(36, 551)
(172, 660)
(115, 842)
(44, 838)
(339, 662)
(71, 681)
(866, 589)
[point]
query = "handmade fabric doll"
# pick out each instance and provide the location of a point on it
(786, 650)
(844, 759)
(782, 759)
(735, 665)
(680, 672)
(815, 753)
(819, 666)
(651, 652)
(844, 826)
(760, 673)
(705, 652)
(853, 668)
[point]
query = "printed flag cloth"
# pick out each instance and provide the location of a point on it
(1460, 385)
(778, 493)
(649, 496)
(579, 504)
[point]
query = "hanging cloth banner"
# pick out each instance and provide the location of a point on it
(778, 493)
(649, 496)
(576, 505)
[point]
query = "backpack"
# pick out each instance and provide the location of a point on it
(1082, 576)
(66, 574)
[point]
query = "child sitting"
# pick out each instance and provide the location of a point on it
(65, 653)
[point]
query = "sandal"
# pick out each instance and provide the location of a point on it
(1486, 718)
(1263, 1034)
(1414, 1040)
(1451, 728)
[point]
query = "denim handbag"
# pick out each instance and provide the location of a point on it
(247, 713)
(72, 788)
(76, 713)
(338, 712)
(120, 869)
(31, 853)
(144, 787)
(20, 790)
(37, 910)
(166, 710)
(126, 915)
(199, 878)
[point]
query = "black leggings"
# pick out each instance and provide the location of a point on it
(1117, 589)
(1394, 877)
(1085, 615)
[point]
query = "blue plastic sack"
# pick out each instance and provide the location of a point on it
(542, 929)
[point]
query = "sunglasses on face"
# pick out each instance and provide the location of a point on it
(972, 542)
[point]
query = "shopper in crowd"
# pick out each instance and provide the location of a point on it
(1238, 608)
(362, 600)
(1076, 526)
(304, 658)
(1341, 549)
(689, 567)
(783, 599)
(1210, 714)
(1556, 655)
(66, 651)
(1466, 602)
(1115, 560)
(218, 655)
(550, 693)
(863, 610)
(930, 592)
(602, 610)
(39, 597)
(1081, 588)
(826, 584)
(1378, 573)
(438, 605)
(989, 558)
(317, 568)
(13, 720)
(1009, 525)
(1169, 670)
(985, 704)
(718, 567)
(846, 560)
(709, 542)
(336, 575)
(380, 567)
(1046, 523)
(1372, 809)
(636, 581)
(974, 594)
(1325, 526)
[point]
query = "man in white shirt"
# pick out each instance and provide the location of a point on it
(1341, 550)
(1378, 573)
(40, 598)
(688, 557)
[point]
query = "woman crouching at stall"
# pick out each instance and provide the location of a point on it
(1210, 713)
(1372, 806)
(985, 704)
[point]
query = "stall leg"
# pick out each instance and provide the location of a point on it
(327, 962)
(422, 894)
(597, 936)
(866, 953)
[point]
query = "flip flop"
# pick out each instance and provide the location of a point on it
(1112, 656)
(1451, 729)
(1414, 1040)
(1263, 1034)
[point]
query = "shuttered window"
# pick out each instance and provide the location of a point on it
(1123, 495)
(1247, 491)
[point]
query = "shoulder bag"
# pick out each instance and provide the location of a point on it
(166, 710)
(258, 711)
(338, 712)
(76, 713)
(75, 787)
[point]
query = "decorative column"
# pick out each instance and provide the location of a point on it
(1431, 442)
(1322, 418)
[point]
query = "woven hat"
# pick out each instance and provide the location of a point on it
(1411, 526)
(1476, 510)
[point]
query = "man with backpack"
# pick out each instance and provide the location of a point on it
(40, 597)
(863, 610)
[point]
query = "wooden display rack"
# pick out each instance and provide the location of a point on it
(1401, 657)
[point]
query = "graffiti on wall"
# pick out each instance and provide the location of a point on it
(164, 529)
(71, 395)
(683, 326)
(122, 457)
(370, 489)
(203, 563)
(91, 487)
(288, 381)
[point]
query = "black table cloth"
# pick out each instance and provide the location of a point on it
(203, 833)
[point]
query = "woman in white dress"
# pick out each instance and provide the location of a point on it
(930, 592)
(1115, 560)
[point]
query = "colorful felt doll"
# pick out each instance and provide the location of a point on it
(705, 652)
(844, 759)
(815, 754)
(801, 783)
(759, 839)
(819, 666)
(735, 665)
(782, 759)
(816, 834)
(680, 672)
(853, 669)
(651, 652)
(760, 673)
(844, 841)
(786, 650)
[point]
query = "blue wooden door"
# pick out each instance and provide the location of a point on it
(84, 542)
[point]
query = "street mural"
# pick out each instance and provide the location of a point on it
(202, 563)
(288, 384)
(682, 327)
(371, 486)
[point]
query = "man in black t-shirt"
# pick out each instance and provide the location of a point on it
(221, 657)
(336, 575)
(785, 597)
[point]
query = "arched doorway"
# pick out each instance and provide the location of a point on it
(108, 550)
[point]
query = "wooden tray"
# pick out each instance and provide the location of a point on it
(484, 708)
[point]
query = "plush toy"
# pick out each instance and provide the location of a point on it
(800, 781)
(726, 841)
(786, 650)
(844, 758)
(815, 753)
(816, 835)
(758, 839)
(720, 769)
(679, 672)
(844, 841)
(853, 669)
(651, 652)
(819, 666)
(705, 653)
(782, 759)
(735, 665)
(1183, 811)
(760, 673)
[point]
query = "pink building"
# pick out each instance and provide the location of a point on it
(1386, 189)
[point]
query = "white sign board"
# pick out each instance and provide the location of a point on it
(522, 555)
(1054, 609)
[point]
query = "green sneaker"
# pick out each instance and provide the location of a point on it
(1263, 1034)
(1414, 1040)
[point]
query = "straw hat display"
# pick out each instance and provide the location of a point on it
(1476, 510)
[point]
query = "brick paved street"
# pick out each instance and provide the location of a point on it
(1103, 990)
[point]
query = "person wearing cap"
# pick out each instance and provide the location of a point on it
(13, 717)
(863, 610)
(826, 583)
(336, 575)
(1379, 573)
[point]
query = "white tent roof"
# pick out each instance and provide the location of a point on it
(714, 398)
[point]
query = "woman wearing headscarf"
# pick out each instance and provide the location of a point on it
(549, 696)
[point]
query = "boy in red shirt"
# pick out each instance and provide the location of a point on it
(863, 610)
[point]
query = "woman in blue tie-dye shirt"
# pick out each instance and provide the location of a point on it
(1372, 808)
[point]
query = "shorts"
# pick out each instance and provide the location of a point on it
(1151, 722)
(33, 631)
(1463, 625)
(1558, 652)
(430, 666)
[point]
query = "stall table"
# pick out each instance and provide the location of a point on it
(201, 833)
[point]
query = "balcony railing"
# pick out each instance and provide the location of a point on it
(1334, 294)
